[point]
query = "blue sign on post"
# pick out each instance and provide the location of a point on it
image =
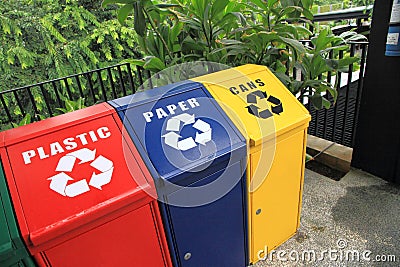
(197, 158)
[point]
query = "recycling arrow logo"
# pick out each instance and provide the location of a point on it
(60, 182)
(253, 109)
(203, 135)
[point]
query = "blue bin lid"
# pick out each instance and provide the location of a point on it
(180, 129)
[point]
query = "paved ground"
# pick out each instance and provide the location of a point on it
(351, 222)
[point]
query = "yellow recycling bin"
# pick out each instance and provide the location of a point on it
(275, 125)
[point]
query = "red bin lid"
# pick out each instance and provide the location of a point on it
(67, 171)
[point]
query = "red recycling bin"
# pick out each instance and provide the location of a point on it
(78, 190)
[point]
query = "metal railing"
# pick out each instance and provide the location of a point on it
(50, 98)
(357, 14)
(338, 124)
(54, 97)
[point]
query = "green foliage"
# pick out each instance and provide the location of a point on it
(239, 32)
(25, 120)
(47, 39)
(44, 39)
(72, 105)
(270, 40)
(225, 31)
(317, 61)
(182, 31)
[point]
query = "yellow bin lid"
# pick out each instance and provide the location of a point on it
(258, 103)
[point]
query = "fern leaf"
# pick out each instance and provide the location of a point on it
(49, 26)
(5, 25)
(90, 17)
(107, 52)
(10, 56)
(89, 53)
(78, 18)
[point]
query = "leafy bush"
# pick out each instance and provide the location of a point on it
(46, 39)
(239, 32)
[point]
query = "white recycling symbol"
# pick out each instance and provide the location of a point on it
(174, 125)
(59, 182)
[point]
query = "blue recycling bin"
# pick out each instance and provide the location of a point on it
(197, 158)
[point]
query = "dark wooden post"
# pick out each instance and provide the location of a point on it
(377, 143)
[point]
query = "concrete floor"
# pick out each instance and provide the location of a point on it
(351, 222)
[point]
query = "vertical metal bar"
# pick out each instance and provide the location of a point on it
(46, 100)
(139, 72)
(103, 89)
(19, 103)
(6, 109)
(78, 82)
(111, 83)
(311, 109)
(32, 99)
(335, 111)
(347, 93)
(121, 80)
(89, 78)
(317, 115)
(68, 89)
(149, 79)
(304, 91)
(287, 64)
(359, 24)
(309, 91)
(60, 103)
(329, 97)
(131, 78)
(359, 91)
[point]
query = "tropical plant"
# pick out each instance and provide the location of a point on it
(24, 121)
(178, 32)
(239, 32)
(72, 105)
(200, 30)
(270, 39)
(320, 58)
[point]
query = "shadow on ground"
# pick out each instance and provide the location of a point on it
(324, 170)
(373, 212)
(351, 222)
